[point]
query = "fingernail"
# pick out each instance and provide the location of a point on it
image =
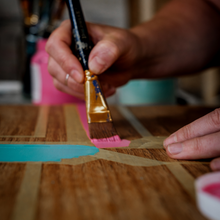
(97, 64)
(215, 164)
(77, 76)
(170, 140)
(175, 148)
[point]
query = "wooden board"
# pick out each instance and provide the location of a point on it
(136, 182)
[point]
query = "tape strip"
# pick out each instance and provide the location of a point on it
(183, 176)
(150, 142)
(126, 158)
(74, 129)
(77, 161)
(133, 121)
(139, 161)
(26, 201)
(41, 125)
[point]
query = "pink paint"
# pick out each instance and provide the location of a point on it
(208, 194)
(42, 83)
(213, 189)
(114, 141)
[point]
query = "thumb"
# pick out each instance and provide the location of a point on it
(103, 55)
(106, 52)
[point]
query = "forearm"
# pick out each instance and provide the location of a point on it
(182, 38)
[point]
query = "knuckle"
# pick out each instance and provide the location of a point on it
(49, 45)
(111, 48)
(114, 50)
(197, 145)
(215, 117)
(57, 85)
(186, 132)
(50, 69)
(63, 62)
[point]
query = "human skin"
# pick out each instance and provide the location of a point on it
(183, 38)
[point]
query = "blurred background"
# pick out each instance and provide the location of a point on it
(26, 25)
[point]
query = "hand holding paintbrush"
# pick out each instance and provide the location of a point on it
(98, 113)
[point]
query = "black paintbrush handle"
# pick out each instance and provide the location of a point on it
(80, 36)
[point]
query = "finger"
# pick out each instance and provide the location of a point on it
(108, 50)
(58, 47)
(57, 72)
(61, 87)
(197, 148)
(207, 124)
(215, 164)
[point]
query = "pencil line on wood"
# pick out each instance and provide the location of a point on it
(26, 201)
(41, 125)
(134, 121)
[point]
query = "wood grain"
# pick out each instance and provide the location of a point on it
(106, 185)
(17, 120)
(11, 175)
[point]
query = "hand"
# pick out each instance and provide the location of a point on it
(114, 53)
(174, 42)
(197, 140)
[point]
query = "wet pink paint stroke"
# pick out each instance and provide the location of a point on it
(111, 142)
(213, 189)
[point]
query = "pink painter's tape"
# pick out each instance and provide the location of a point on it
(100, 143)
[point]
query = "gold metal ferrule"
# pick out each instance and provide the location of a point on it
(96, 105)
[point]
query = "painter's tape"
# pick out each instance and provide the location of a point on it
(41, 125)
(74, 129)
(183, 176)
(26, 201)
(77, 161)
(126, 159)
(134, 121)
(207, 203)
(150, 142)
(178, 171)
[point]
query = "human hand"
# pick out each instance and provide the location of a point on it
(197, 140)
(114, 53)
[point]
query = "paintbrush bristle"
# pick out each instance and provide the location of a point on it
(102, 130)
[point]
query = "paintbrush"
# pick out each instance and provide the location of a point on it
(98, 113)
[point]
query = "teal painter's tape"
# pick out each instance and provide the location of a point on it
(43, 153)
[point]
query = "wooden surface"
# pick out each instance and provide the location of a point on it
(136, 182)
